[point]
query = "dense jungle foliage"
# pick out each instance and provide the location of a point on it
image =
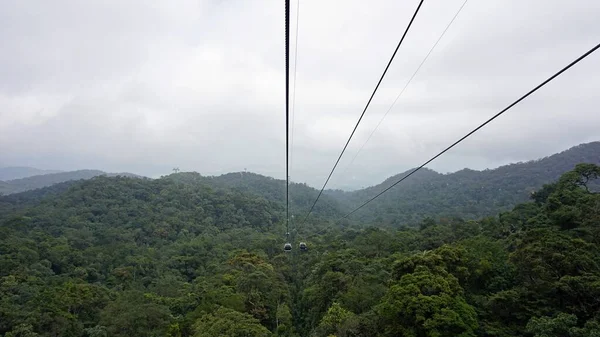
(179, 256)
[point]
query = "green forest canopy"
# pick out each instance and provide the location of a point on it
(118, 256)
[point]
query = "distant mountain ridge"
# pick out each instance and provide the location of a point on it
(467, 193)
(45, 180)
(19, 172)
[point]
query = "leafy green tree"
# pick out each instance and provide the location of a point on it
(590, 329)
(284, 320)
(132, 314)
(571, 199)
(427, 303)
(559, 326)
(22, 330)
(96, 331)
(334, 320)
(227, 322)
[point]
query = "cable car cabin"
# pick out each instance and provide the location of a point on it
(303, 246)
(287, 247)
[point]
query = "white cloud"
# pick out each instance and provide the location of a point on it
(144, 86)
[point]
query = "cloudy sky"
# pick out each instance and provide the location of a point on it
(145, 86)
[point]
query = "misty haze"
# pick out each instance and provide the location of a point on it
(299, 168)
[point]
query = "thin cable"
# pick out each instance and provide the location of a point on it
(287, 117)
(405, 86)
(479, 127)
(294, 87)
(365, 109)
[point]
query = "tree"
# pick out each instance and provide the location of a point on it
(333, 320)
(22, 330)
(559, 326)
(427, 303)
(227, 322)
(132, 314)
(284, 320)
(571, 201)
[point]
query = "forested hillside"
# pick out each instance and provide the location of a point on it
(301, 195)
(178, 257)
(467, 193)
(39, 181)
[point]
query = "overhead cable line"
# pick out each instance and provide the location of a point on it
(287, 117)
(405, 86)
(479, 127)
(294, 86)
(365, 109)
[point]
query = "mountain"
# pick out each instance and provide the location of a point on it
(39, 181)
(119, 256)
(19, 172)
(3, 186)
(302, 196)
(155, 200)
(467, 193)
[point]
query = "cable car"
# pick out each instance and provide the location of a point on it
(303, 246)
(287, 247)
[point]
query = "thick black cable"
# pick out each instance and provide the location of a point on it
(477, 128)
(405, 86)
(287, 117)
(365, 109)
(294, 86)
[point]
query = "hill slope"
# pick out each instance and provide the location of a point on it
(19, 172)
(39, 181)
(302, 196)
(466, 193)
(116, 256)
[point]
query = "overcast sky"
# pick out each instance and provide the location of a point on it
(145, 86)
